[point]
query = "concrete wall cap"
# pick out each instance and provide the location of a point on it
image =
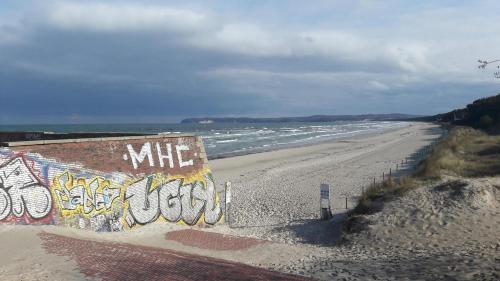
(42, 142)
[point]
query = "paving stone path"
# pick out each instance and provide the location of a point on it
(118, 261)
(212, 241)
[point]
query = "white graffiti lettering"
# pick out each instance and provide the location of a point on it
(143, 204)
(138, 158)
(147, 152)
(21, 191)
(173, 201)
(170, 206)
(167, 156)
(179, 149)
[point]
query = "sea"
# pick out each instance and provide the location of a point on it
(229, 139)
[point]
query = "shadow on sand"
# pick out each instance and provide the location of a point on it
(317, 232)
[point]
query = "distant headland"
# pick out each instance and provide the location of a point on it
(313, 118)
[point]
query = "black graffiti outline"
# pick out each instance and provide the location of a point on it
(95, 206)
(211, 178)
(133, 219)
(7, 196)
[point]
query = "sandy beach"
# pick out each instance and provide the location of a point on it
(275, 198)
(282, 186)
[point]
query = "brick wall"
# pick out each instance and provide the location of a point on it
(107, 184)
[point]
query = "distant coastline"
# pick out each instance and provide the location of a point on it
(313, 118)
(230, 139)
(346, 138)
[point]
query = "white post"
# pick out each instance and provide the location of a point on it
(324, 203)
(228, 201)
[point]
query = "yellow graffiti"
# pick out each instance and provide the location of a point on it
(78, 196)
(183, 199)
(157, 180)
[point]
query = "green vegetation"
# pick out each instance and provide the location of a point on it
(464, 152)
(370, 200)
(486, 122)
(482, 113)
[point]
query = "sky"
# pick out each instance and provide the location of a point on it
(162, 61)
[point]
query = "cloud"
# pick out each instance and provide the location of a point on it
(203, 30)
(333, 43)
(243, 38)
(160, 60)
(379, 86)
(103, 17)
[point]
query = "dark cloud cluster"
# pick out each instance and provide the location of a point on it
(70, 61)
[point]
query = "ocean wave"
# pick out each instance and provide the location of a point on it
(227, 141)
(247, 140)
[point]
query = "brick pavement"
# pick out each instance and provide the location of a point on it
(212, 241)
(119, 261)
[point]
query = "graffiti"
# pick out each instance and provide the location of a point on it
(22, 192)
(139, 158)
(45, 186)
(79, 196)
(146, 200)
(147, 152)
(149, 199)
(179, 149)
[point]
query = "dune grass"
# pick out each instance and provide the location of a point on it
(464, 152)
(371, 199)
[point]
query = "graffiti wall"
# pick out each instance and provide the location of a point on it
(108, 184)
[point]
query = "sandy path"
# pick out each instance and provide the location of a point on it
(23, 258)
(446, 230)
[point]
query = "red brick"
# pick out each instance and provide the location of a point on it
(212, 241)
(119, 261)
